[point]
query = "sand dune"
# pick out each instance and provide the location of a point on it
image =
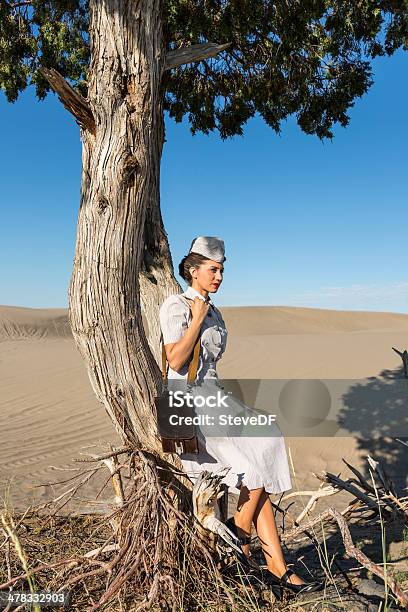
(49, 412)
(264, 320)
(19, 322)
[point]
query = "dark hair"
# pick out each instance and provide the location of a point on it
(192, 259)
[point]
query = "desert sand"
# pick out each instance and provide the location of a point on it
(49, 412)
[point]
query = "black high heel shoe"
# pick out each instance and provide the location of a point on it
(248, 561)
(284, 582)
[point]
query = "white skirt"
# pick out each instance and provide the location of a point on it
(255, 460)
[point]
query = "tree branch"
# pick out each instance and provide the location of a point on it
(193, 53)
(384, 573)
(404, 357)
(347, 486)
(79, 107)
(71, 99)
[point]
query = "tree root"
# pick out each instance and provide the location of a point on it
(151, 553)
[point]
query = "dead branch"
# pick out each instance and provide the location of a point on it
(404, 357)
(206, 491)
(347, 486)
(193, 53)
(76, 104)
(360, 477)
(352, 551)
(115, 472)
(97, 551)
(316, 520)
(113, 453)
(385, 480)
(314, 497)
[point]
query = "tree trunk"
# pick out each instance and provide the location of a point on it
(116, 250)
(157, 275)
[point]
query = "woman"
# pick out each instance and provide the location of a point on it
(258, 465)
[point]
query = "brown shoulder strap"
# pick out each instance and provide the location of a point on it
(164, 360)
(192, 368)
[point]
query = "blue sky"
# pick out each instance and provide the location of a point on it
(305, 223)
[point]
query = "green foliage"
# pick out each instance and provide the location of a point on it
(310, 58)
(52, 33)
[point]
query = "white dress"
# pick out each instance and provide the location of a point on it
(254, 461)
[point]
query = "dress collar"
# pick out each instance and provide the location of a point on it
(192, 293)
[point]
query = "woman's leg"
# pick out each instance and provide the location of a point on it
(255, 505)
(265, 525)
(246, 507)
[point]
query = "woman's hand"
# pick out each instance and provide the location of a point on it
(199, 310)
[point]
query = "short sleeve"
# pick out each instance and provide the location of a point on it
(173, 319)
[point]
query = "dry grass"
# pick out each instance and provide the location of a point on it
(146, 554)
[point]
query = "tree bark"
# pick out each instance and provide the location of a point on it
(156, 278)
(121, 245)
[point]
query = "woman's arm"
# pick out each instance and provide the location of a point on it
(179, 352)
